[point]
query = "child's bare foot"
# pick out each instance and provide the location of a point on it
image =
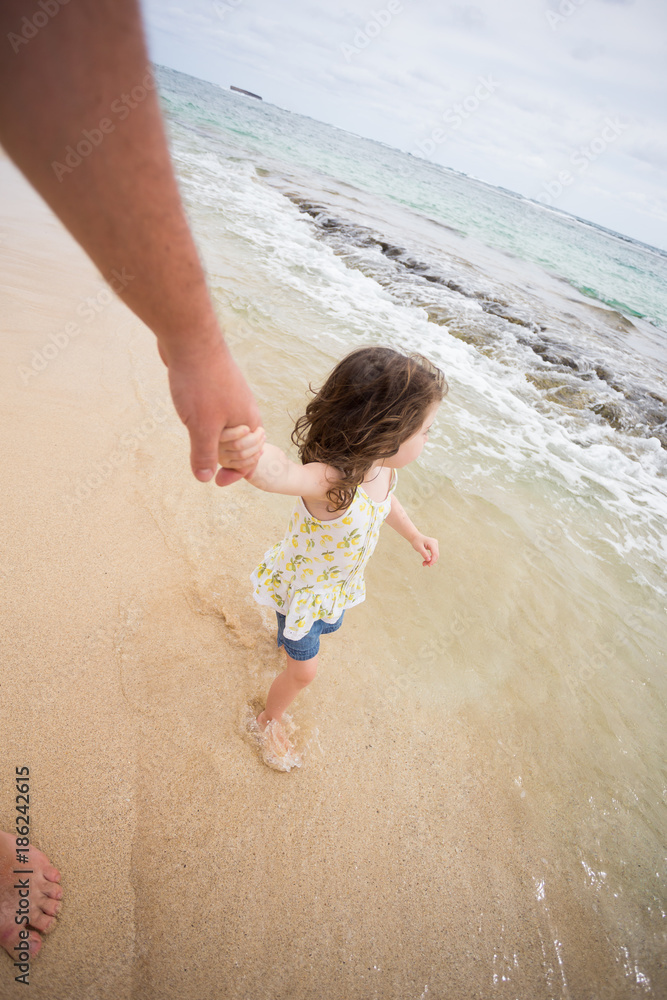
(45, 894)
(272, 739)
(274, 733)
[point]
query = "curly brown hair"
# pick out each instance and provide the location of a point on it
(373, 401)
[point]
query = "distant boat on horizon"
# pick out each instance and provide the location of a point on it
(248, 93)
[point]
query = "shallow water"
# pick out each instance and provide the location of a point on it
(519, 687)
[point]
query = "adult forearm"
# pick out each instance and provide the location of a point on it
(80, 117)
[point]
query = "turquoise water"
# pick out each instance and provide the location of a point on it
(611, 267)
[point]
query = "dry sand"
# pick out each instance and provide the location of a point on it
(398, 862)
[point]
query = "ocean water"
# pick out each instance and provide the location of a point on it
(545, 479)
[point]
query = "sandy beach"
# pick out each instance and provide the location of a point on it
(404, 859)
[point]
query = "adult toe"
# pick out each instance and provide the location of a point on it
(43, 922)
(10, 939)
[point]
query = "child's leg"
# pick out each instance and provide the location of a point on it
(295, 677)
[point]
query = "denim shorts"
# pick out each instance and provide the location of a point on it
(308, 645)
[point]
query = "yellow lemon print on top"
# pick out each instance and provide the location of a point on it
(353, 538)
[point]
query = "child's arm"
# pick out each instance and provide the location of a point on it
(274, 472)
(400, 522)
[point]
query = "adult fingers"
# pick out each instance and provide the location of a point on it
(226, 477)
(203, 453)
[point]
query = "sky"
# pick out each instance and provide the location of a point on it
(563, 101)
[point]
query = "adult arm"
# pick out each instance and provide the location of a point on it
(83, 80)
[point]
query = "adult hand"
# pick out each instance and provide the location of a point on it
(92, 57)
(209, 394)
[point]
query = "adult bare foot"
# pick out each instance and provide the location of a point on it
(45, 895)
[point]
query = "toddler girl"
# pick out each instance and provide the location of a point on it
(370, 418)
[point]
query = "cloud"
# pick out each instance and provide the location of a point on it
(469, 16)
(651, 152)
(587, 49)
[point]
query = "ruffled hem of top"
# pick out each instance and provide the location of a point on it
(298, 633)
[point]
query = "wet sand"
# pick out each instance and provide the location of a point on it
(403, 860)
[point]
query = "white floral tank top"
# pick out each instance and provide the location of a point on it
(317, 570)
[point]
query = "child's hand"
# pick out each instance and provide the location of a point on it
(238, 444)
(427, 548)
